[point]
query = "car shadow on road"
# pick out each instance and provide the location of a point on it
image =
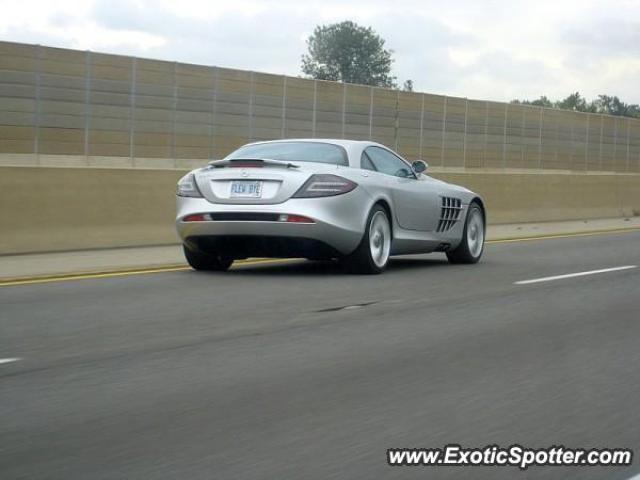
(318, 268)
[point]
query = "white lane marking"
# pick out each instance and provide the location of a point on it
(9, 360)
(571, 275)
(635, 477)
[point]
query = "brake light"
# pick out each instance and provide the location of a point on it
(322, 185)
(197, 217)
(249, 164)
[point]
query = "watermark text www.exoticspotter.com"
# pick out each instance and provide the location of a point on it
(513, 456)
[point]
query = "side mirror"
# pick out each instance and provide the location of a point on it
(419, 166)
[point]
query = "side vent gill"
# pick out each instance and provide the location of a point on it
(449, 213)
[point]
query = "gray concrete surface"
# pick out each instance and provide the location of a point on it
(257, 373)
(118, 259)
(82, 261)
(89, 208)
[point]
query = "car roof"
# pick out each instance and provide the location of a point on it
(354, 148)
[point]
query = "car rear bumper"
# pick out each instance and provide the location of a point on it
(338, 226)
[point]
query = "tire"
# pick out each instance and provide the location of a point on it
(372, 255)
(206, 262)
(472, 244)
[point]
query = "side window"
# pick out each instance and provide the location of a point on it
(365, 162)
(386, 162)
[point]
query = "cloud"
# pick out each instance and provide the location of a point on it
(242, 40)
(612, 37)
(423, 52)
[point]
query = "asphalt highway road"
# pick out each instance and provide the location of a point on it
(261, 372)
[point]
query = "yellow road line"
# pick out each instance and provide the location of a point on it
(178, 268)
(122, 273)
(82, 276)
(567, 235)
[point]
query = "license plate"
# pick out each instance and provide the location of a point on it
(246, 189)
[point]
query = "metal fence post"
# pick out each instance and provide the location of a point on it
(444, 131)
(175, 113)
(396, 121)
(284, 106)
(486, 134)
(540, 139)
(132, 112)
(586, 145)
(628, 133)
(572, 141)
(555, 147)
(371, 113)
(315, 101)
(504, 139)
(464, 136)
(638, 146)
(36, 133)
(601, 133)
(522, 144)
(344, 106)
(614, 167)
(214, 99)
(421, 127)
(87, 103)
(250, 113)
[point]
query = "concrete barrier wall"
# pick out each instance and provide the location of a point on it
(53, 209)
(548, 197)
(115, 110)
(50, 209)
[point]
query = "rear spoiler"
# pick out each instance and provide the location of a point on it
(250, 162)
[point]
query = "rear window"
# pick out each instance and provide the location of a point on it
(294, 152)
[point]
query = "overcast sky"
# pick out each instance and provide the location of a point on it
(496, 50)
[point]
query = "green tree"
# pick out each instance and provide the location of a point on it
(408, 86)
(347, 52)
(574, 102)
(603, 104)
(543, 101)
(614, 106)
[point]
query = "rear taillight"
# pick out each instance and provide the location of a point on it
(322, 185)
(187, 187)
(197, 217)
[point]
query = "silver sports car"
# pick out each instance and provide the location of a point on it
(355, 201)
